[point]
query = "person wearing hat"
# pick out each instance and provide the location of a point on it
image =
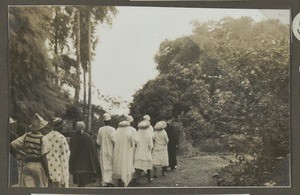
(35, 146)
(14, 177)
(160, 148)
(58, 157)
(123, 154)
(83, 164)
(144, 145)
(148, 120)
(104, 140)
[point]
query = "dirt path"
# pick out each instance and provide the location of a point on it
(196, 171)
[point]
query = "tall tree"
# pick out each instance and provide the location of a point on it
(31, 75)
(59, 31)
(90, 18)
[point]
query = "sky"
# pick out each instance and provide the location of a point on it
(124, 59)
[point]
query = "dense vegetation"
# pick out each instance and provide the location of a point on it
(49, 48)
(226, 87)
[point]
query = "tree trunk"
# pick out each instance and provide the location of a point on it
(84, 95)
(90, 75)
(77, 88)
(56, 53)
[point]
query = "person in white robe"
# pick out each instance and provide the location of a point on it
(144, 145)
(148, 120)
(123, 154)
(105, 141)
(160, 148)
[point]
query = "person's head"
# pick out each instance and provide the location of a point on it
(80, 126)
(147, 118)
(143, 125)
(129, 118)
(124, 124)
(159, 126)
(37, 123)
(58, 124)
(106, 118)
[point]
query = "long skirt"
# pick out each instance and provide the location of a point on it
(81, 179)
(34, 175)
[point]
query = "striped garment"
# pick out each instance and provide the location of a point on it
(33, 146)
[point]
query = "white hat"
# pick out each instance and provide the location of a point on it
(147, 117)
(160, 125)
(80, 126)
(38, 123)
(124, 124)
(11, 121)
(143, 125)
(129, 118)
(106, 117)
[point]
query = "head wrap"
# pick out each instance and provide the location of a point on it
(129, 118)
(143, 125)
(80, 126)
(124, 124)
(160, 125)
(106, 117)
(147, 117)
(57, 122)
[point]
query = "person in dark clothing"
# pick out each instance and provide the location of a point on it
(84, 164)
(172, 145)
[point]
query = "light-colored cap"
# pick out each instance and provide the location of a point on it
(106, 117)
(124, 124)
(143, 125)
(160, 125)
(147, 117)
(129, 118)
(80, 126)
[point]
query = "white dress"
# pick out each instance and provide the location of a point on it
(160, 148)
(142, 156)
(123, 154)
(104, 140)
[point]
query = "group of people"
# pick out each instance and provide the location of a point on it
(118, 156)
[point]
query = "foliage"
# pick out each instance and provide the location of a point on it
(228, 79)
(41, 55)
(31, 75)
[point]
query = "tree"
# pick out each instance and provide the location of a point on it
(223, 81)
(59, 33)
(90, 17)
(31, 75)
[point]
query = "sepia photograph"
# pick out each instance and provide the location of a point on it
(148, 97)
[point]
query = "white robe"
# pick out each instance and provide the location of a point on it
(160, 148)
(123, 154)
(104, 140)
(144, 143)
